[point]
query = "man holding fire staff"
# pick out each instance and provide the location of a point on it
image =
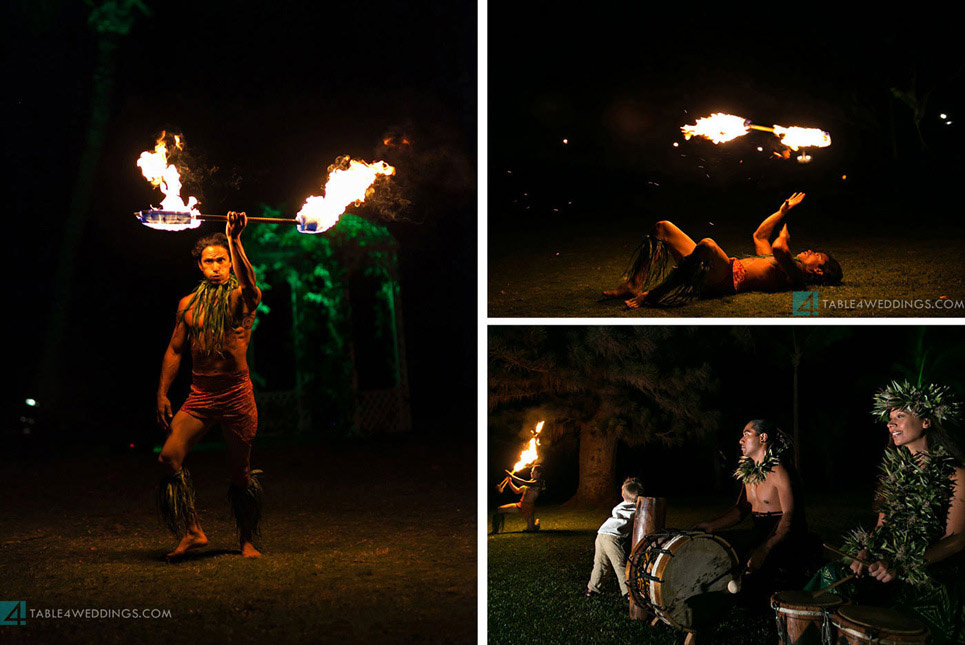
(215, 322)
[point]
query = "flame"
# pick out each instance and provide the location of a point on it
(344, 186)
(156, 169)
(794, 137)
(529, 454)
(717, 127)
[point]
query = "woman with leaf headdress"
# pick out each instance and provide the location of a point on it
(920, 501)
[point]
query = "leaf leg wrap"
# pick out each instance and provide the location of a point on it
(246, 505)
(175, 502)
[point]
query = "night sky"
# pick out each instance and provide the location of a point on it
(267, 96)
(619, 82)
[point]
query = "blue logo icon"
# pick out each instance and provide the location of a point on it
(804, 303)
(13, 612)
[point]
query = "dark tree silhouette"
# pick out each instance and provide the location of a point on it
(605, 384)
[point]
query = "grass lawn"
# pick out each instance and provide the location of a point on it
(537, 580)
(560, 271)
(362, 543)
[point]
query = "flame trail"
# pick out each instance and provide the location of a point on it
(529, 454)
(345, 186)
(717, 127)
(156, 169)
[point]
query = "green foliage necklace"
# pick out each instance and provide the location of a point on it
(753, 473)
(211, 304)
(914, 493)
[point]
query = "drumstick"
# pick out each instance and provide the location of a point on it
(845, 555)
(821, 592)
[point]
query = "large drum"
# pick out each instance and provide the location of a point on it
(682, 577)
(803, 619)
(860, 625)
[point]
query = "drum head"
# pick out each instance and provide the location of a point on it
(881, 619)
(693, 582)
(805, 600)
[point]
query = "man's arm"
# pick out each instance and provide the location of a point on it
(782, 254)
(785, 498)
(245, 273)
(765, 231)
(169, 366)
(734, 515)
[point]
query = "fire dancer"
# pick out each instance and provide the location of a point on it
(775, 547)
(920, 501)
(215, 322)
(529, 491)
(670, 269)
(609, 551)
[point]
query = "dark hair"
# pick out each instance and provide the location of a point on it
(831, 273)
(777, 440)
(215, 239)
(633, 486)
(936, 433)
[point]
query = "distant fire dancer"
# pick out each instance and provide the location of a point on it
(529, 490)
(215, 321)
(670, 269)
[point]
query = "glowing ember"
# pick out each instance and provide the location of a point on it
(345, 186)
(529, 454)
(718, 127)
(795, 137)
(156, 169)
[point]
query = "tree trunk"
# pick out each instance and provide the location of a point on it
(598, 450)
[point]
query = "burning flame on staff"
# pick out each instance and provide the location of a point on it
(345, 186)
(721, 128)
(527, 457)
(717, 127)
(156, 169)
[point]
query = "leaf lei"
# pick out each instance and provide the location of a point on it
(914, 494)
(750, 472)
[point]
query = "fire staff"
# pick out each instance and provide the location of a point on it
(215, 322)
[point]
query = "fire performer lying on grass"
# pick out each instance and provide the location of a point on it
(526, 506)
(669, 269)
(774, 550)
(216, 322)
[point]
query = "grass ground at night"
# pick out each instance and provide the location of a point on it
(560, 269)
(361, 543)
(537, 580)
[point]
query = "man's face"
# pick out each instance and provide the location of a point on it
(215, 264)
(751, 442)
(906, 427)
(812, 260)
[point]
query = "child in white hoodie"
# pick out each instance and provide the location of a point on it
(609, 551)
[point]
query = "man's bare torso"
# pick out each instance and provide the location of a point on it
(764, 274)
(237, 338)
(763, 497)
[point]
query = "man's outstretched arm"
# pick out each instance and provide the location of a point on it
(782, 254)
(244, 271)
(764, 232)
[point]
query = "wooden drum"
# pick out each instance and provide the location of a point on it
(859, 625)
(803, 619)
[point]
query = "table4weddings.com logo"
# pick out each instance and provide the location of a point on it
(809, 303)
(15, 613)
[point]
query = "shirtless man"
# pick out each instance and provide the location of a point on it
(526, 506)
(709, 272)
(215, 322)
(768, 496)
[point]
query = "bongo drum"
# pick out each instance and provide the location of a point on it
(803, 619)
(858, 625)
(682, 576)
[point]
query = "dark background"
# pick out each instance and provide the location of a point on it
(619, 82)
(267, 95)
(841, 443)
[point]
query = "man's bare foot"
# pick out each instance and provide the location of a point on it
(193, 540)
(248, 550)
(622, 291)
(637, 301)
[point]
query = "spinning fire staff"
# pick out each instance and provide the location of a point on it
(721, 128)
(529, 489)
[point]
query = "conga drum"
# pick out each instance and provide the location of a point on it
(682, 577)
(803, 619)
(859, 625)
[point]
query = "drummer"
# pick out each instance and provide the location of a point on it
(920, 501)
(772, 549)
